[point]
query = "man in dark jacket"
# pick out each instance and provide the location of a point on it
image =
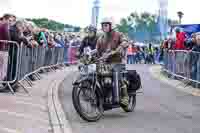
(196, 47)
(89, 40)
(189, 44)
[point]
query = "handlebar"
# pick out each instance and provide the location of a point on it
(105, 56)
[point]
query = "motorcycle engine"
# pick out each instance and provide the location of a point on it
(107, 82)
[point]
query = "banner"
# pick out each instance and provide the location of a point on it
(3, 64)
(188, 28)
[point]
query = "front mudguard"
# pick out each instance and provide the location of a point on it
(79, 79)
(89, 78)
(82, 78)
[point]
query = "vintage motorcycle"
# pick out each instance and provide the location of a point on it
(98, 88)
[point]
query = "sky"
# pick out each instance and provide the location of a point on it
(78, 12)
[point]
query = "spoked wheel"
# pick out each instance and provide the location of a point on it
(132, 104)
(87, 104)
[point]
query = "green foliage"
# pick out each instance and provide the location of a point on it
(141, 27)
(52, 25)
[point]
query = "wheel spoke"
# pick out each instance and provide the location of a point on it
(88, 99)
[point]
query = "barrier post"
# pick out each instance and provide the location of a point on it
(9, 58)
(198, 71)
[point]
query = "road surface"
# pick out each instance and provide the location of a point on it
(161, 109)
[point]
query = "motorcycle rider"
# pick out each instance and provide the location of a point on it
(116, 43)
(90, 40)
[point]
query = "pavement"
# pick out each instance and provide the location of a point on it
(156, 72)
(162, 108)
(38, 112)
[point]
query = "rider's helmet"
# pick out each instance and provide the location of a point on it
(92, 31)
(107, 21)
(92, 28)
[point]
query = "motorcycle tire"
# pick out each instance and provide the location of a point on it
(79, 110)
(132, 104)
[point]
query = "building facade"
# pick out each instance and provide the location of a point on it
(95, 13)
(163, 18)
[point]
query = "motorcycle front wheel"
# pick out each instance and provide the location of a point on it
(81, 95)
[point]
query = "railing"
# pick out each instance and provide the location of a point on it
(19, 62)
(183, 64)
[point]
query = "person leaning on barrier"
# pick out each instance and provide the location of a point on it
(17, 33)
(31, 34)
(4, 27)
(190, 43)
(6, 21)
(51, 42)
(195, 56)
(196, 47)
(180, 39)
(41, 38)
(63, 39)
(115, 42)
(58, 41)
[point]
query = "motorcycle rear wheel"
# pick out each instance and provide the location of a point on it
(132, 104)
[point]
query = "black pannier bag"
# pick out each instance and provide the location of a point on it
(134, 80)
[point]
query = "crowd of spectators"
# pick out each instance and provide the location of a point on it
(180, 55)
(26, 32)
(29, 35)
(148, 54)
(186, 51)
(182, 42)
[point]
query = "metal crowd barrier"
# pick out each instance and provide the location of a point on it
(19, 62)
(183, 64)
(9, 60)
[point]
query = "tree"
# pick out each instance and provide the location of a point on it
(52, 25)
(123, 26)
(142, 26)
